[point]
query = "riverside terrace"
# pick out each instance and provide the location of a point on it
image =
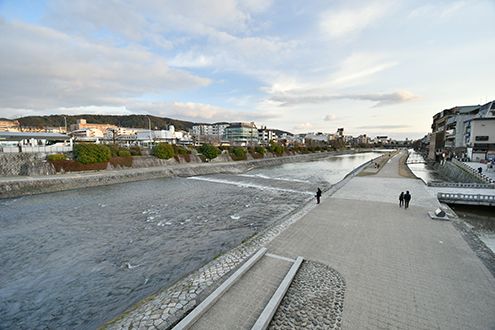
(376, 265)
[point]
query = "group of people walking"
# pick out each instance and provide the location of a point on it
(404, 199)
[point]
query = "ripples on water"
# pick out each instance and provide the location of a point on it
(75, 259)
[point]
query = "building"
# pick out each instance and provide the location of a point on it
(87, 134)
(242, 134)
(317, 139)
(265, 136)
(147, 137)
(479, 134)
(209, 133)
(82, 124)
(9, 126)
(448, 129)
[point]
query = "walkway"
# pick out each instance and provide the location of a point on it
(394, 268)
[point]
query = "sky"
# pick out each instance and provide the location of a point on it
(381, 67)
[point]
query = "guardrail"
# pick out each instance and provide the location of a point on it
(39, 149)
(472, 199)
(471, 170)
(462, 185)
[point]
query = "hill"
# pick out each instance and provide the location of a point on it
(134, 121)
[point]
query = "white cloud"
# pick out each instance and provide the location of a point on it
(380, 99)
(330, 117)
(341, 22)
(303, 127)
(43, 68)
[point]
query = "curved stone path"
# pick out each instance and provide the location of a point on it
(315, 300)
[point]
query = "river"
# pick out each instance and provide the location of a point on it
(76, 259)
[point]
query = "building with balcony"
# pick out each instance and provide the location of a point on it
(209, 133)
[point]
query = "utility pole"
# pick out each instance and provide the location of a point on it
(149, 122)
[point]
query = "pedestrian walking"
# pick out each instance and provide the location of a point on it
(318, 195)
(407, 199)
(401, 199)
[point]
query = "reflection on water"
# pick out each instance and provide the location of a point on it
(421, 169)
(482, 218)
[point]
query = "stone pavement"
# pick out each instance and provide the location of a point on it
(402, 270)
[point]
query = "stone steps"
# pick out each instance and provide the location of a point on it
(249, 298)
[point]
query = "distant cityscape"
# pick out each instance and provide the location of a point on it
(464, 132)
(218, 134)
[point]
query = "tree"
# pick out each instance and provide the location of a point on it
(209, 151)
(163, 151)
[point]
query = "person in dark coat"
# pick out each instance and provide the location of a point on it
(401, 199)
(407, 199)
(318, 195)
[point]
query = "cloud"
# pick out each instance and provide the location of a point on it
(358, 66)
(196, 112)
(303, 127)
(291, 99)
(330, 117)
(43, 68)
(341, 22)
(383, 126)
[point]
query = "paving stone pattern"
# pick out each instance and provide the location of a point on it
(315, 300)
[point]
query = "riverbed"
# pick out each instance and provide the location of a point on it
(77, 258)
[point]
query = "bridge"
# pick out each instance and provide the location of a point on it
(469, 199)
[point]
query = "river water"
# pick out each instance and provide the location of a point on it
(76, 259)
(421, 169)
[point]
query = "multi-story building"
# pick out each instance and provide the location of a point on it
(211, 133)
(147, 137)
(448, 130)
(479, 134)
(242, 134)
(265, 136)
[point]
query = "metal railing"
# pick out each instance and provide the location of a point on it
(471, 170)
(36, 149)
(467, 198)
(462, 185)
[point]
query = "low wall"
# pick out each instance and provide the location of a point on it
(14, 164)
(13, 187)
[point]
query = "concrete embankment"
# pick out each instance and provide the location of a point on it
(19, 186)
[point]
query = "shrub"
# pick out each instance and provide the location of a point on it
(209, 151)
(54, 157)
(135, 151)
(261, 150)
(163, 151)
(74, 166)
(92, 153)
(276, 149)
(124, 153)
(238, 153)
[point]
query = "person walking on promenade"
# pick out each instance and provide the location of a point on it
(407, 199)
(318, 195)
(401, 199)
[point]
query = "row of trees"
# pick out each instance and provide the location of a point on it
(99, 153)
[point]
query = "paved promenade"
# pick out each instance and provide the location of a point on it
(392, 268)
(402, 270)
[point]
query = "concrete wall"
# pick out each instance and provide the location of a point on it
(455, 174)
(14, 164)
(14, 187)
